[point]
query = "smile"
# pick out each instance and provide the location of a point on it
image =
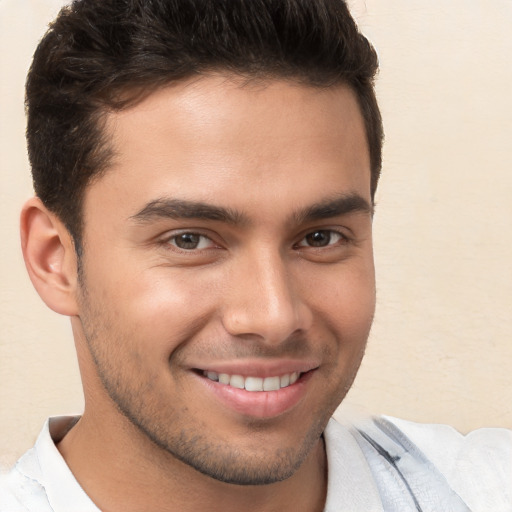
(254, 383)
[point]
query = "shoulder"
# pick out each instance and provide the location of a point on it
(450, 451)
(477, 466)
(41, 481)
(433, 465)
(21, 493)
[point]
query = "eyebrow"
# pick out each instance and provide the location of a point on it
(183, 209)
(334, 207)
(169, 208)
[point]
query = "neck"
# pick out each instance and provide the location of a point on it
(120, 469)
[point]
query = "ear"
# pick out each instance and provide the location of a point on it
(50, 257)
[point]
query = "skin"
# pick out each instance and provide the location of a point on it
(275, 282)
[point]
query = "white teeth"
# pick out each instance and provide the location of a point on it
(237, 381)
(224, 378)
(254, 383)
(271, 384)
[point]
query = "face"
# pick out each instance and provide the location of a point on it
(227, 285)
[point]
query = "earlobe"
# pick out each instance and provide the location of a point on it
(49, 256)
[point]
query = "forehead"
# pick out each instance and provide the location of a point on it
(217, 139)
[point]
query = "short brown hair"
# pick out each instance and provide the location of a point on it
(99, 55)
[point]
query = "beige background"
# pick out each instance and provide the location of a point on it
(441, 349)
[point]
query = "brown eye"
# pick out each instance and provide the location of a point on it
(190, 241)
(321, 238)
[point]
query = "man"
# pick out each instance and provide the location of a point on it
(205, 175)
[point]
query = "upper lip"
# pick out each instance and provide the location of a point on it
(258, 368)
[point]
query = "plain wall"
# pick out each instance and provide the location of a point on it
(440, 349)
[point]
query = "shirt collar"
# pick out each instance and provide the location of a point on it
(63, 491)
(350, 484)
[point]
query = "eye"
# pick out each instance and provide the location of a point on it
(321, 238)
(190, 241)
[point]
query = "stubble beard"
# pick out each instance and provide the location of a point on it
(212, 456)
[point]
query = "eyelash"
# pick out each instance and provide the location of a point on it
(342, 239)
(172, 241)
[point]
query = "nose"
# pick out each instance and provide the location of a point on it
(263, 300)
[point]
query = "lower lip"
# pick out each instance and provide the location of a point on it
(259, 404)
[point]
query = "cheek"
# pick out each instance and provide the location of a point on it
(156, 307)
(347, 301)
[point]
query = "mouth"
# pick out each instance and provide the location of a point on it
(254, 384)
(258, 389)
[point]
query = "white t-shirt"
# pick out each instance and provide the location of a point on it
(380, 465)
